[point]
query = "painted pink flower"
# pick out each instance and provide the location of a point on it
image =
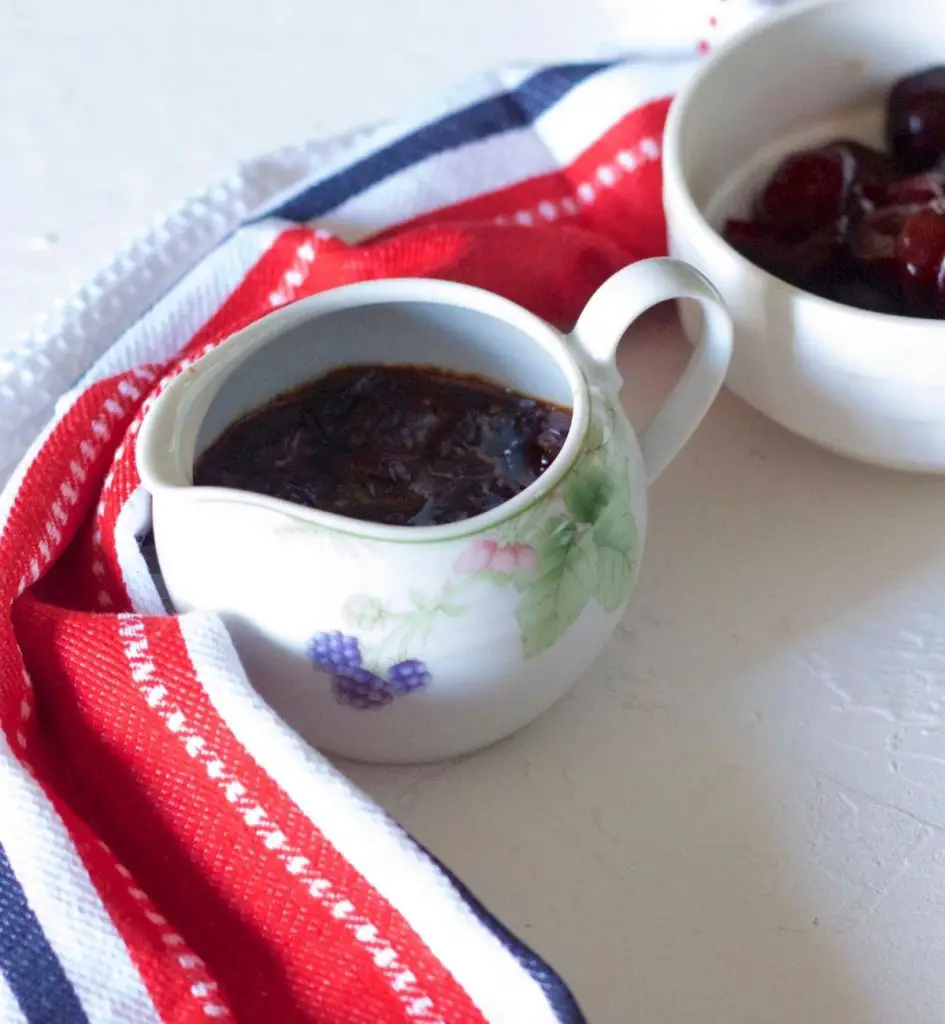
(526, 557)
(476, 556)
(504, 561)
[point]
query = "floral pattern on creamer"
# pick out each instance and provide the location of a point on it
(353, 683)
(393, 633)
(589, 550)
(579, 545)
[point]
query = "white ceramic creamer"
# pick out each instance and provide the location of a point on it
(399, 643)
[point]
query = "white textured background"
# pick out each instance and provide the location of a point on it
(739, 816)
(112, 112)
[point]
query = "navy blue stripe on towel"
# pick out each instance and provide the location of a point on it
(27, 961)
(517, 108)
(559, 996)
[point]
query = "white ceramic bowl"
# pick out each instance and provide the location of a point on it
(868, 385)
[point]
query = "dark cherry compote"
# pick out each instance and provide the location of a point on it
(400, 445)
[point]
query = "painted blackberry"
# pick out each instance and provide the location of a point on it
(408, 676)
(335, 652)
(361, 689)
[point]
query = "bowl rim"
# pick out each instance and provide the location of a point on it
(674, 176)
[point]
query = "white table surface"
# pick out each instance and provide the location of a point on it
(738, 817)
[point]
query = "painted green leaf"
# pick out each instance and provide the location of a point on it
(524, 528)
(618, 548)
(619, 471)
(520, 578)
(566, 581)
(595, 435)
(589, 488)
(498, 579)
(453, 609)
(603, 421)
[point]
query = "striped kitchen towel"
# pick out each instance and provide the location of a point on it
(169, 849)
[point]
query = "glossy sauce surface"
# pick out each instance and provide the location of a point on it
(399, 445)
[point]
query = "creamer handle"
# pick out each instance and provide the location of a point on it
(611, 310)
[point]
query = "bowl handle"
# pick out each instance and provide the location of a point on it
(611, 310)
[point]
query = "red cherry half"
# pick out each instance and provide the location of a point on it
(915, 120)
(817, 187)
